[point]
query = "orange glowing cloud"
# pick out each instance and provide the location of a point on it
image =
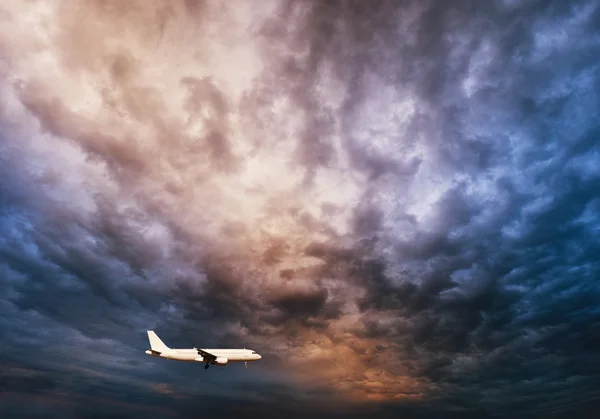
(187, 121)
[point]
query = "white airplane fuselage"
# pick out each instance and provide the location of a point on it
(219, 357)
(191, 355)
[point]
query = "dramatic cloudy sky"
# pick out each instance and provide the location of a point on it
(395, 202)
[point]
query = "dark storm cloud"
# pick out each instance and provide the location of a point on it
(433, 58)
(481, 282)
(492, 300)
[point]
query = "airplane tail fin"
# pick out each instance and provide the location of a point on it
(155, 343)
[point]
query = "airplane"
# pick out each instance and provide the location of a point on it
(220, 357)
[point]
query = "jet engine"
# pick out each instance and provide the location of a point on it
(221, 361)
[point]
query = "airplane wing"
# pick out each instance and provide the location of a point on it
(206, 355)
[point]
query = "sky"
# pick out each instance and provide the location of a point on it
(394, 202)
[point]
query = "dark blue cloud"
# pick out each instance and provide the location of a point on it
(468, 275)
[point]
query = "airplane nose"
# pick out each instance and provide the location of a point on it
(259, 356)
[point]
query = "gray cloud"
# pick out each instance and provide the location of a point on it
(394, 202)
